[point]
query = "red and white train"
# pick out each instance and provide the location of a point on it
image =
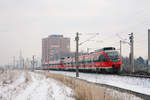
(106, 59)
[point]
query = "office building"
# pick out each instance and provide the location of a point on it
(55, 47)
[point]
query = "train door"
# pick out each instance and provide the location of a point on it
(96, 62)
(103, 61)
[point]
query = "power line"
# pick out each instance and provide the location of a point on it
(89, 39)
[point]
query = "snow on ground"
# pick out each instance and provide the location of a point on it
(10, 84)
(121, 96)
(140, 85)
(31, 86)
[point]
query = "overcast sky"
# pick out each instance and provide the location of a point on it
(23, 23)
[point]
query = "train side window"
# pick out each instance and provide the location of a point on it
(83, 62)
(89, 61)
(86, 61)
(80, 61)
(96, 59)
(73, 63)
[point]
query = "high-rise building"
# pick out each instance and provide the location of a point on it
(55, 47)
(21, 60)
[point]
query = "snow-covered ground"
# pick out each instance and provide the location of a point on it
(20, 85)
(140, 85)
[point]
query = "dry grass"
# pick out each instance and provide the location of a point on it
(28, 77)
(83, 90)
(9, 76)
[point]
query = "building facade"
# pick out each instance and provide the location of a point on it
(55, 47)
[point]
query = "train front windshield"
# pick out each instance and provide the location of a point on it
(113, 56)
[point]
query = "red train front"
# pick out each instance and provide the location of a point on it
(107, 59)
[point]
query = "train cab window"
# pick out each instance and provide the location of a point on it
(102, 58)
(113, 56)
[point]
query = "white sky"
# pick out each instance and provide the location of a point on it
(23, 23)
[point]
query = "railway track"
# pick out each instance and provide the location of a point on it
(139, 74)
(121, 90)
(142, 96)
(135, 75)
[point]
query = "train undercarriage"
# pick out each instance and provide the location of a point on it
(111, 70)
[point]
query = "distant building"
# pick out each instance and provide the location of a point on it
(21, 60)
(55, 47)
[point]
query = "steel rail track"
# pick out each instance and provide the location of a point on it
(138, 75)
(134, 75)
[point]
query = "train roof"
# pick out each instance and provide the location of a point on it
(105, 49)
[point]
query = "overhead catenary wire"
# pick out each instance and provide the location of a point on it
(88, 39)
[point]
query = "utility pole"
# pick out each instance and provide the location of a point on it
(120, 48)
(121, 53)
(149, 50)
(132, 52)
(76, 54)
(88, 50)
(77, 51)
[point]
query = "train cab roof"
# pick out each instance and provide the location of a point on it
(105, 49)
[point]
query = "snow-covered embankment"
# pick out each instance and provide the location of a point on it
(22, 85)
(85, 90)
